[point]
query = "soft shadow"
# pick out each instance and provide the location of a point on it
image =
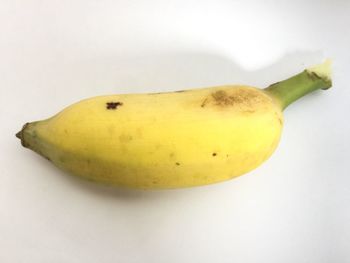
(177, 70)
(168, 72)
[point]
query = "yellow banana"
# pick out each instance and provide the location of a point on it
(170, 140)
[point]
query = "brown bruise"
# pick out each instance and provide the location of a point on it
(245, 99)
(113, 105)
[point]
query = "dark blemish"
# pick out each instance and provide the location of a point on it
(227, 155)
(204, 102)
(221, 97)
(88, 161)
(280, 120)
(214, 154)
(113, 105)
(179, 91)
(154, 182)
(242, 97)
(177, 163)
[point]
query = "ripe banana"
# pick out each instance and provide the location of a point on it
(174, 139)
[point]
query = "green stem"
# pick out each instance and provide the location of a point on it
(289, 90)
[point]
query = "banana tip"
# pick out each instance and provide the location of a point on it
(19, 135)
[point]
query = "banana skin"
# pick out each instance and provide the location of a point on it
(174, 139)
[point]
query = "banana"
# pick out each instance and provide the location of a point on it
(174, 139)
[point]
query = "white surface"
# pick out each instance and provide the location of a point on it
(294, 208)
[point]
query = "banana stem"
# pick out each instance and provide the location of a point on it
(311, 79)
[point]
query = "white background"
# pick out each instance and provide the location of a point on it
(294, 208)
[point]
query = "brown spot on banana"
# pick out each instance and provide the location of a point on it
(245, 99)
(204, 102)
(238, 96)
(280, 120)
(113, 105)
